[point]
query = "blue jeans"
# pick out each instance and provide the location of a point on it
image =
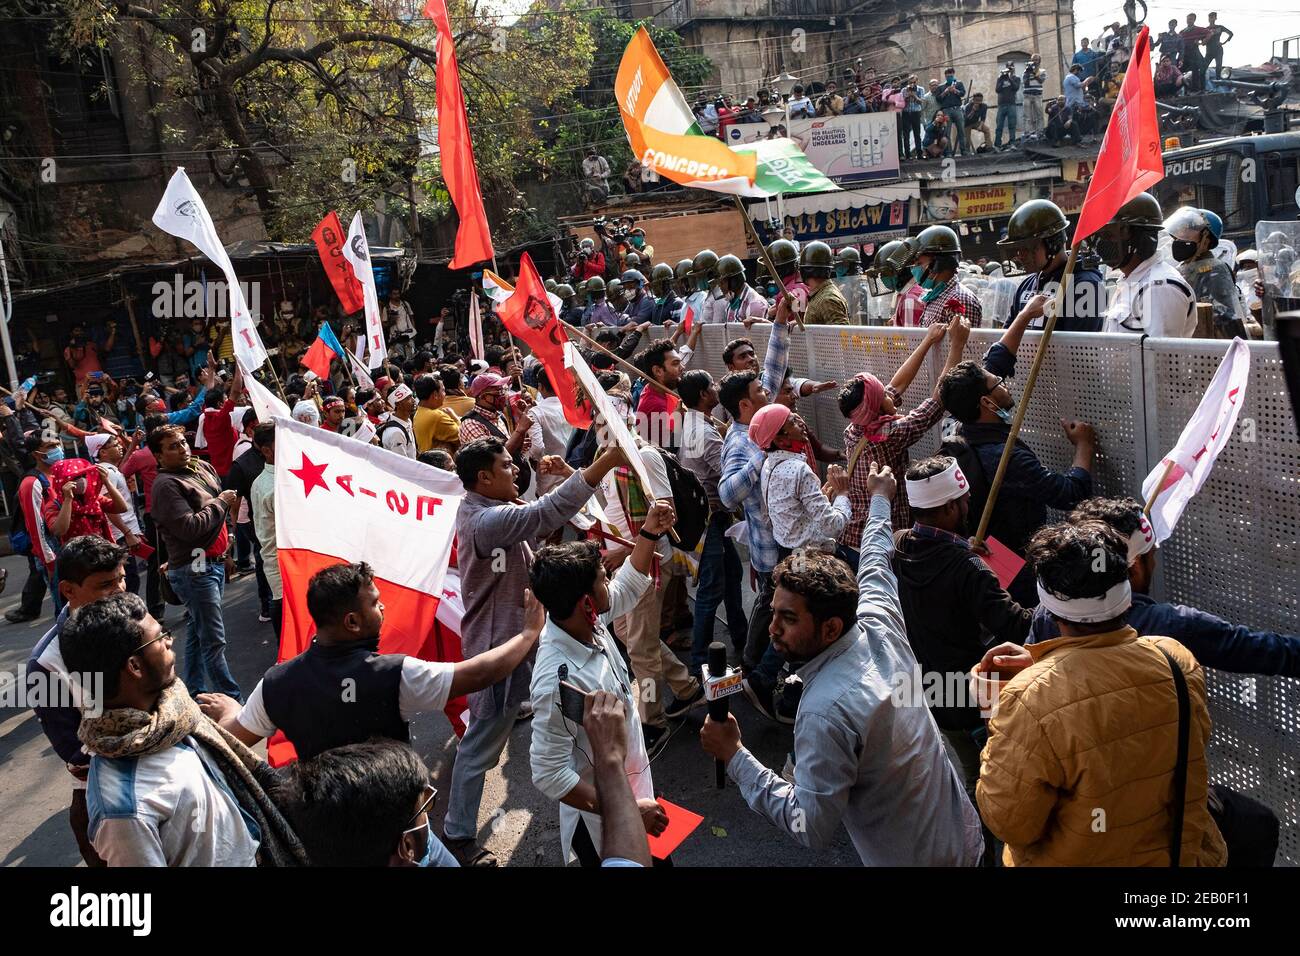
(246, 542)
(720, 577)
(204, 668)
(1007, 118)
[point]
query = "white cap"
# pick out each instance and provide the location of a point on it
(94, 443)
(937, 490)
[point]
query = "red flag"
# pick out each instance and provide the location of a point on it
(317, 358)
(1129, 161)
(529, 316)
(395, 514)
(473, 238)
(329, 235)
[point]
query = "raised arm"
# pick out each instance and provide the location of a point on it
(907, 371)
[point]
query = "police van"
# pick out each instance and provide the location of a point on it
(1242, 178)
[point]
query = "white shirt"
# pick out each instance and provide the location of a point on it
(423, 689)
(401, 316)
(800, 514)
(400, 439)
(262, 508)
(560, 750)
(128, 516)
(555, 431)
(166, 809)
(1153, 299)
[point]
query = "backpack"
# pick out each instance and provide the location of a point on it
(689, 501)
(20, 539)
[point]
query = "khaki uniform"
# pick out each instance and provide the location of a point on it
(826, 306)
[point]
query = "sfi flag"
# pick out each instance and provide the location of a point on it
(357, 252)
(529, 315)
(183, 214)
(1129, 161)
(397, 515)
(1181, 473)
(328, 236)
(473, 238)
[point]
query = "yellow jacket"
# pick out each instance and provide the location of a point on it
(1078, 768)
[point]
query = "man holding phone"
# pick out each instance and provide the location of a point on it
(577, 657)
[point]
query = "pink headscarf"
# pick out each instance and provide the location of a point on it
(867, 415)
(765, 424)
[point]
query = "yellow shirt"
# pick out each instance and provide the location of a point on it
(436, 428)
(462, 405)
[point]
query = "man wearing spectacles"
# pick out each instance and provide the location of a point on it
(978, 395)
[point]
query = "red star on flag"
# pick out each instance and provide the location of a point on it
(310, 474)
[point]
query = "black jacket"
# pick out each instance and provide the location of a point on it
(955, 610)
(1007, 87)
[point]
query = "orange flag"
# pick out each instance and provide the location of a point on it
(473, 238)
(1130, 161)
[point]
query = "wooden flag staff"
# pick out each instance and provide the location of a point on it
(767, 260)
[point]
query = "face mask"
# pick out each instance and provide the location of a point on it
(921, 275)
(1247, 275)
(1007, 414)
(1183, 250)
(771, 290)
(53, 456)
(889, 282)
(1111, 251)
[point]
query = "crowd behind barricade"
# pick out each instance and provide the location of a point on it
(934, 713)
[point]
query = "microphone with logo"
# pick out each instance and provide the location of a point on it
(720, 685)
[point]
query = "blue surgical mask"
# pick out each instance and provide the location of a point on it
(918, 274)
(435, 854)
(54, 455)
(1007, 414)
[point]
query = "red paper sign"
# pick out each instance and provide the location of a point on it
(1002, 561)
(142, 550)
(681, 824)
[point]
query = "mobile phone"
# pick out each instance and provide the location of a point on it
(571, 701)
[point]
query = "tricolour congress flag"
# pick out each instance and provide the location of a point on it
(1129, 161)
(1182, 472)
(664, 135)
(357, 251)
(182, 214)
(339, 500)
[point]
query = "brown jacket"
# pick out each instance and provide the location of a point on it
(188, 513)
(1078, 769)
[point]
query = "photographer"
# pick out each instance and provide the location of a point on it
(590, 261)
(1032, 87)
(1008, 86)
(82, 354)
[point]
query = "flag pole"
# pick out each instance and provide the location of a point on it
(767, 260)
(519, 382)
(621, 361)
(1160, 486)
(1023, 404)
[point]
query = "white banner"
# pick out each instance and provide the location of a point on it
(606, 416)
(475, 328)
(394, 513)
(182, 214)
(1183, 471)
(861, 147)
(357, 251)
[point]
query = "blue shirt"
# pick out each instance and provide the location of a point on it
(1088, 60)
(1212, 640)
(1073, 90)
(742, 464)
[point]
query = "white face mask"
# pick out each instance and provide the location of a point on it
(1247, 275)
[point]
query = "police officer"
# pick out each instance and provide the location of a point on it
(569, 310)
(826, 305)
(551, 285)
(640, 304)
(1036, 237)
(848, 276)
(1151, 298)
(744, 303)
(599, 311)
(785, 259)
(667, 302)
(938, 253)
(710, 306)
(1195, 235)
(682, 283)
(892, 272)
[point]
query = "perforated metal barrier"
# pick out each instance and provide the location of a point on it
(1236, 551)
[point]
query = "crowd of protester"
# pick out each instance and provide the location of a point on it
(860, 560)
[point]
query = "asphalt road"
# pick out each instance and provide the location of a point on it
(517, 822)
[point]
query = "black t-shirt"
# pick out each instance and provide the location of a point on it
(243, 472)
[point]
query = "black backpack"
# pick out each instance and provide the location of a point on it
(689, 501)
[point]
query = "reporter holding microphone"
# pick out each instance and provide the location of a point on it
(867, 752)
(577, 650)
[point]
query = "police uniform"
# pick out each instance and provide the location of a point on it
(1154, 299)
(1080, 311)
(827, 307)
(1211, 281)
(855, 295)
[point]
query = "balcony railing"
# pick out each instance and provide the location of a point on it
(685, 11)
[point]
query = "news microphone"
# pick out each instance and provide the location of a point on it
(721, 684)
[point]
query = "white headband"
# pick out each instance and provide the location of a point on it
(1141, 541)
(949, 485)
(1088, 610)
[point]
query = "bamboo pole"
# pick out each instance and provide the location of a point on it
(762, 251)
(621, 361)
(1023, 404)
(1164, 476)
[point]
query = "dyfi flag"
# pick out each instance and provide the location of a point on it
(664, 135)
(324, 350)
(1129, 161)
(473, 238)
(395, 514)
(266, 403)
(475, 328)
(498, 290)
(360, 372)
(529, 315)
(605, 414)
(182, 214)
(328, 236)
(357, 251)
(1182, 472)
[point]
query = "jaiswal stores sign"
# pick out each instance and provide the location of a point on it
(847, 226)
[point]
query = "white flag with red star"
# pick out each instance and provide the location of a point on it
(338, 500)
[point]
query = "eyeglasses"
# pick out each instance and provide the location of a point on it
(163, 635)
(425, 806)
(998, 384)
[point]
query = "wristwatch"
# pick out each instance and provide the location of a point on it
(648, 536)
